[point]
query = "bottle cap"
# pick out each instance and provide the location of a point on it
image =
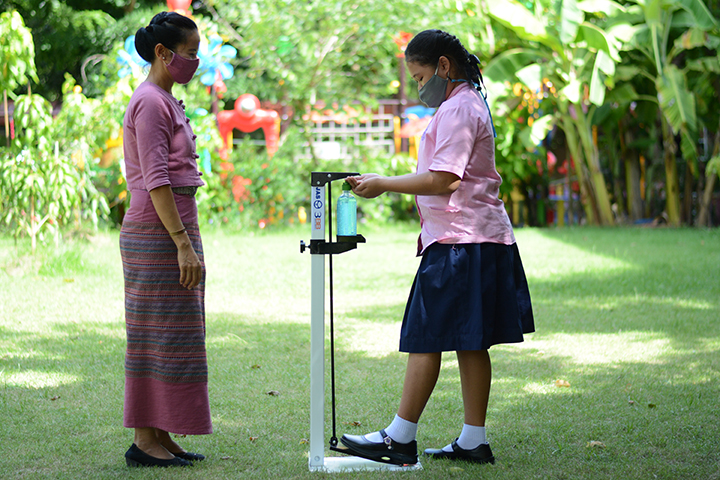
(346, 186)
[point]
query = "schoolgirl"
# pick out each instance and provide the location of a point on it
(470, 290)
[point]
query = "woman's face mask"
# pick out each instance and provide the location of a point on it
(182, 69)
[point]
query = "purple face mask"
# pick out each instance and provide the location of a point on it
(182, 69)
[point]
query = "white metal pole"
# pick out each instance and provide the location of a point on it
(317, 333)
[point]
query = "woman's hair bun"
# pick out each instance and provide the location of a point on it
(160, 18)
(167, 28)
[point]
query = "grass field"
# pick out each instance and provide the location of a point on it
(620, 381)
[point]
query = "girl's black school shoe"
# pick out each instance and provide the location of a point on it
(135, 457)
(387, 451)
(481, 454)
(189, 456)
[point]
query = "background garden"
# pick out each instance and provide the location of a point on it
(604, 109)
(606, 115)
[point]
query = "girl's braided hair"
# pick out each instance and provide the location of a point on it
(428, 46)
(167, 28)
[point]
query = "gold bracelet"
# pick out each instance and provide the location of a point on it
(179, 232)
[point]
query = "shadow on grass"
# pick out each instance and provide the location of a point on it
(259, 390)
(636, 340)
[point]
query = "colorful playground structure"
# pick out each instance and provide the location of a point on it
(247, 116)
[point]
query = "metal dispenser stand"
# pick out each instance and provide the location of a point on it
(319, 247)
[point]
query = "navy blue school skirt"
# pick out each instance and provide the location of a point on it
(467, 297)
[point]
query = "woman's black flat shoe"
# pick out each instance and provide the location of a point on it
(192, 457)
(135, 457)
(387, 451)
(481, 454)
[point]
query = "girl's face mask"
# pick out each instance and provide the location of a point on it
(182, 69)
(432, 94)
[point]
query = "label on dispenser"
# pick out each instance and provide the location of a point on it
(318, 212)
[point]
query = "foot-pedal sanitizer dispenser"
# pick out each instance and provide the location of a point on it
(321, 195)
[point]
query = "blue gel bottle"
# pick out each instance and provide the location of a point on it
(346, 213)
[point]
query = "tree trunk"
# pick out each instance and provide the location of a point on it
(687, 196)
(596, 179)
(632, 185)
(632, 175)
(618, 164)
(672, 186)
(33, 233)
(703, 218)
(587, 200)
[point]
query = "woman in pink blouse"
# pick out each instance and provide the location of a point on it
(165, 363)
(470, 290)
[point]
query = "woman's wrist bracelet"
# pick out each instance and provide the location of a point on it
(179, 232)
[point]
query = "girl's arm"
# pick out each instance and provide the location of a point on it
(190, 266)
(370, 185)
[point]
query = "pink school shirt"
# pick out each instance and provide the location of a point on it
(459, 140)
(159, 144)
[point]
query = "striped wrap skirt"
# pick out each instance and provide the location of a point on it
(166, 372)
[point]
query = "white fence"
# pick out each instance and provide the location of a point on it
(333, 140)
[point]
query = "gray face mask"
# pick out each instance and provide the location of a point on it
(432, 94)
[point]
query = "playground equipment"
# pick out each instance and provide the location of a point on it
(180, 6)
(247, 116)
(320, 190)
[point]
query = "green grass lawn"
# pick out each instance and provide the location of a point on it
(620, 381)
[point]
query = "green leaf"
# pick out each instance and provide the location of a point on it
(623, 34)
(571, 91)
(626, 72)
(513, 15)
(531, 76)
(597, 86)
(570, 19)
(503, 67)
(519, 18)
(713, 167)
(622, 95)
(705, 64)
(605, 63)
(596, 39)
(607, 7)
(540, 128)
(688, 147)
(700, 13)
(653, 12)
(691, 38)
(676, 101)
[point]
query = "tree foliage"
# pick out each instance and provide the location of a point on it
(65, 34)
(17, 52)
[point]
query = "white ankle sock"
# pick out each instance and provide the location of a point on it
(400, 430)
(470, 438)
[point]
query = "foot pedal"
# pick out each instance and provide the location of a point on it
(341, 448)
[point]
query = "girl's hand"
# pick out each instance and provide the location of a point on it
(190, 266)
(368, 185)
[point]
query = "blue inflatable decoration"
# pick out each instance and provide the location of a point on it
(213, 60)
(129, 58)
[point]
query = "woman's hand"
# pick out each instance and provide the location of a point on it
(368, 185)
(190, 266)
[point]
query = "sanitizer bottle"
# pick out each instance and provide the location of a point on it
(346, 213)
